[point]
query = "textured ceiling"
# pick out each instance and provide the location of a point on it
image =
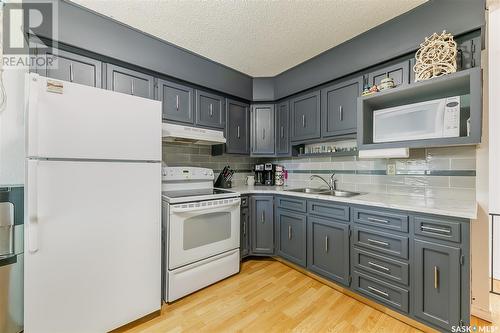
(256, 37)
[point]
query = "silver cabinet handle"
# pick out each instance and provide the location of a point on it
(244, 228)
(177, 102)
(211, 110)
(372, 219)
(238, 131)
(431, 229)
(282, 132)
(378, 266)
(326, 243)
(289, 232)
(303, 120)
(436, 277)
(71, 73)
(263, 134)
(263, 217)
(132, 87)
(380, 292)
(377, 242)
(341, 113)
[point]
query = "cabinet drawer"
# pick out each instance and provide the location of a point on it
(326, 209)
(435, 227)
(384, 267)
(298, 205)
(381, 219)
(381, 291)
(382, 242)
(244, 202)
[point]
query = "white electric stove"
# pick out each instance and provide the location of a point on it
(201, 231)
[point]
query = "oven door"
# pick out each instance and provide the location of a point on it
(202, 229)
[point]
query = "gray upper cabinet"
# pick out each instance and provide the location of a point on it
(339, 107)
(306, 117)
(400, 72)
(210, 110)
(177, 102)
(328, 248)
(262, 224)
(73, 68)
(283, 129)
(262, 122)
(437, 283)
(292, 236)
(237, 127)
(129, 82)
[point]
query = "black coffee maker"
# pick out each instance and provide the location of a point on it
(268, 174)
(259, 174)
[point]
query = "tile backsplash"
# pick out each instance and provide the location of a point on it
(433, 172)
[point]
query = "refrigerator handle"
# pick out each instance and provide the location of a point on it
(32, 114)
(32, 206)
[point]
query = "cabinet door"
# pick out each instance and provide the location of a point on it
(244, 228)
(328, 249)
(292, 236)
(306, 122)
(210, 110)
(437, 283)
(400, 72)
(237, 129)
(262, 224)
(129, 82)
(73, 68)
(282, 129)
(262, 122)
(339, 108)
(177, 102)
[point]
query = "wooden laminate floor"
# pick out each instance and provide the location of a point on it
(268, 296)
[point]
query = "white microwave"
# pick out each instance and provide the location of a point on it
(439, 118)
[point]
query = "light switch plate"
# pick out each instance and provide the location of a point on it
(391, 169)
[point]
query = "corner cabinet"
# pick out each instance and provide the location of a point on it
(339, 107)
(262, 130)
(262, 224)
(177, 102)
(129, 82)
(283, 147)
(306, 117)
(237, 127)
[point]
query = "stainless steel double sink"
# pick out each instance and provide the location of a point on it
(322, 191)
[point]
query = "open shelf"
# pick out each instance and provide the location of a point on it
(466, 82)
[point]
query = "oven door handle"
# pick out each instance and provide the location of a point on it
(189, 207)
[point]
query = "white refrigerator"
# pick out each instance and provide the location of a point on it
(93, 207)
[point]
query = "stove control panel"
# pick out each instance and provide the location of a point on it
(186, 173)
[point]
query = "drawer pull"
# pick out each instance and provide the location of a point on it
(436, 277)
(373, 219)
(326, 243)
(432, 229)
(373, 241)
(380, 292)
(378, 266)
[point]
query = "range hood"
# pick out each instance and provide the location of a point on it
(190, 134)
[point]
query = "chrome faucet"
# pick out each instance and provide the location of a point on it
(333, 182)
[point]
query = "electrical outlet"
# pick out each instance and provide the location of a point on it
(391, 169)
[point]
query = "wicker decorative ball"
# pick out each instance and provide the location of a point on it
(437, 56)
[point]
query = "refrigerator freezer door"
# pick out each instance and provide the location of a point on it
(72, 121)
(92, 255)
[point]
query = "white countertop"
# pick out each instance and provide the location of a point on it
(439, 206)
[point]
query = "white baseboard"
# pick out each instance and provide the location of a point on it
(481, 313)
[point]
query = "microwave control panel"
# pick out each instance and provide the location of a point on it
(451, 122)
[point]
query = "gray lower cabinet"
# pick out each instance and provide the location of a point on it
(292, 238)
(328, 248)
(237, 127)
(283, 147)
(129, 82)
(306, 117)
(72, 67)
(399, 72)
(210, 110)
(437, 283)
(262, 224)
(262, 132)
(339, 107)
(244, 232)
(177, 102)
